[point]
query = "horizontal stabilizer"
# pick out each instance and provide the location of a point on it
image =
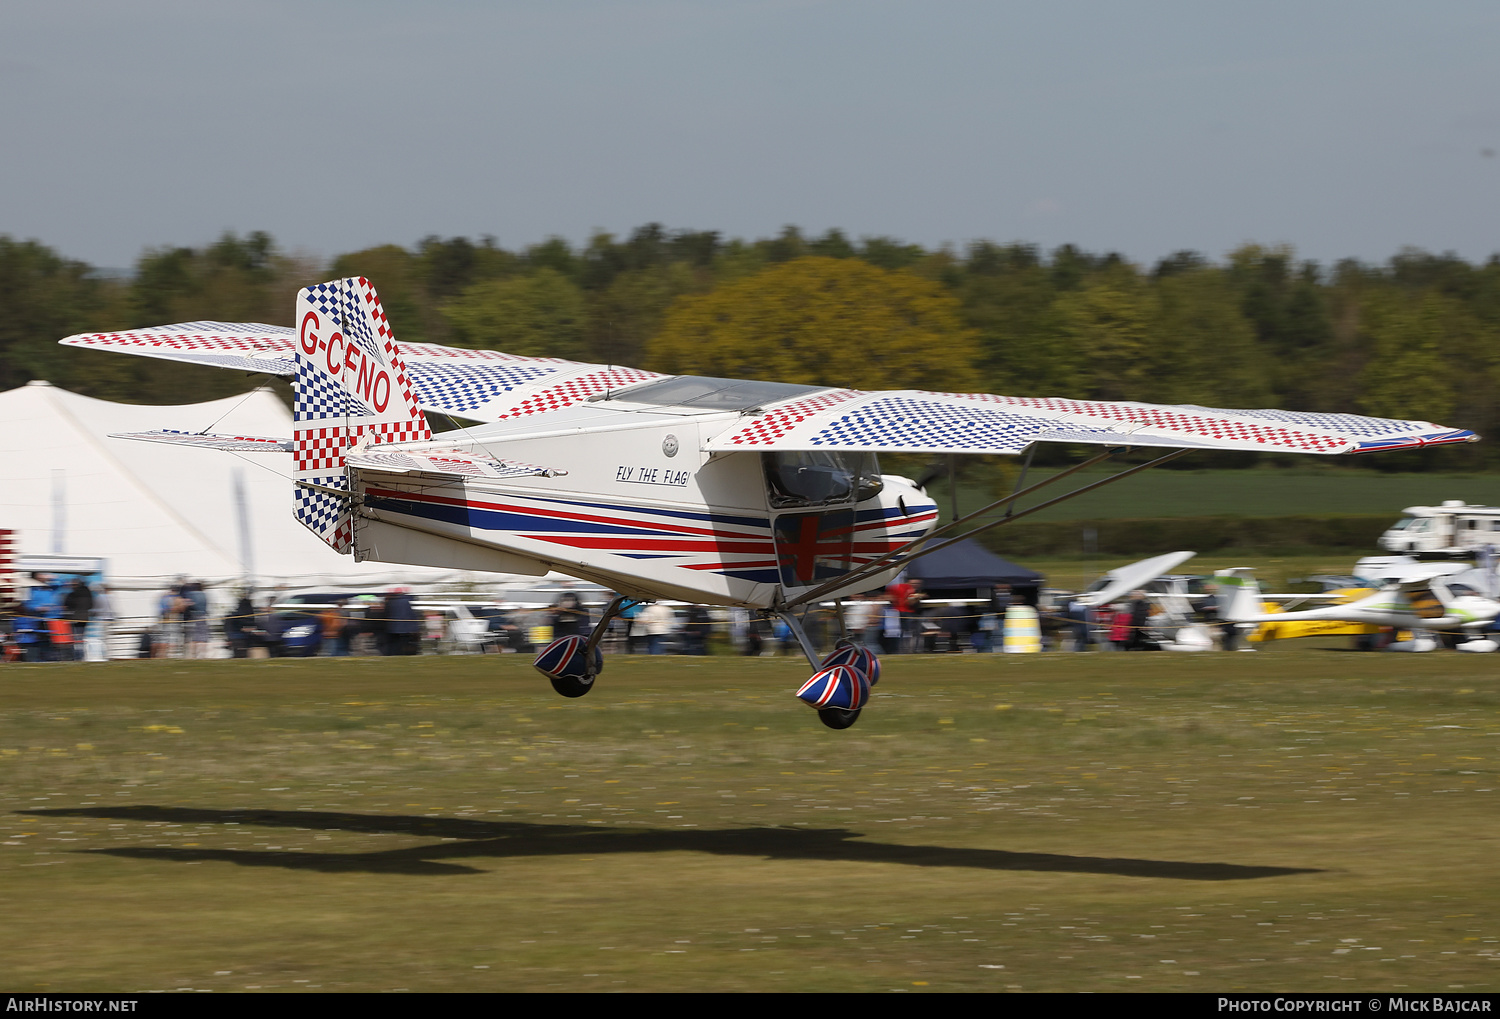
(236, 443)
(451, 463)
(243, 346)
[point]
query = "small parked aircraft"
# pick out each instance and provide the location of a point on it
(1177, 598)
(1420, 597)
(764, 495)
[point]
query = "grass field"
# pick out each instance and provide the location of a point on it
(1255, 493)
(1297, 819)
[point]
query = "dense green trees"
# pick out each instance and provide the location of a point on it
(821, 321)
(1416, 337)
(43, 297)
(541, 314)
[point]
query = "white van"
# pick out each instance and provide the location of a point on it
(1454, 526)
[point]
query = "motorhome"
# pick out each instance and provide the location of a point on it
(1454, 526)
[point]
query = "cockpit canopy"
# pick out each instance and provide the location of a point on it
(798, 478)
(700, 392)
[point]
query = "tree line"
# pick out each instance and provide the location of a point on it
(1415, 337)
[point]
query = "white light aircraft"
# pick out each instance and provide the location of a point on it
(1172, 625)
(763, 495)
(1436, 597)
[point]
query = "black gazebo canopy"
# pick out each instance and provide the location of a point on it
(969, 564)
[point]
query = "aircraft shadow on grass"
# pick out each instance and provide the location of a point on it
(501, 839)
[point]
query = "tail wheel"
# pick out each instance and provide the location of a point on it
(570, 686)
(834, 718)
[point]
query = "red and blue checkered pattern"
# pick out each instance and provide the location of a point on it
(328, 415)
(922, 422)
(491, 386)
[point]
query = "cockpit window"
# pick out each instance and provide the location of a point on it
(820, 478)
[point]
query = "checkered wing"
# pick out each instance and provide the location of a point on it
(920, 422)
(486, 385)
(482, 385)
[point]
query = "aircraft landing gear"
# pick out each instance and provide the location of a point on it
(570, 686)
(572, 663)
(840, 684)
(838, 718)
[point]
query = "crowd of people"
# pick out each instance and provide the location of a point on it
(68, 620)
(383, 624)
(55, 620)
(1138, 624)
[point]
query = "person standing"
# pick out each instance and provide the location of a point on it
(659, 621)
(1140, 611)
(1119, 626)
(1078, 617)
(100, 618)
(195, 619)
(699, 625)
(169, 642)
(240, 628)
(906, 598)
(28, 629)
(635, 627)
(46, 596)
(569, 617)
(890, 627)
(862, 620)
(335, 626)
(402, 626)
(77, 605)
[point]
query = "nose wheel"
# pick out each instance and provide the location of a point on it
(570, 686)
(840, 686)
(838, 718)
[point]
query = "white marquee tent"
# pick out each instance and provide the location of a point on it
(156, 512)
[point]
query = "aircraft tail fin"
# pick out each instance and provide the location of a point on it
(351, 388)
(1239, 594)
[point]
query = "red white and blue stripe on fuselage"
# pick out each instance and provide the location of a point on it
(740, 547)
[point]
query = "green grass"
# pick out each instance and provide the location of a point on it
(1256, 493)
(1296, 819)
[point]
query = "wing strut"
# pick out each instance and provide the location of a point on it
(900, 555)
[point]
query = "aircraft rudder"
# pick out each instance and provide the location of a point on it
(351, 386)
(348, 363)
(1239, 593)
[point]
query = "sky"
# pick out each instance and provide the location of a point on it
(1343, 129)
